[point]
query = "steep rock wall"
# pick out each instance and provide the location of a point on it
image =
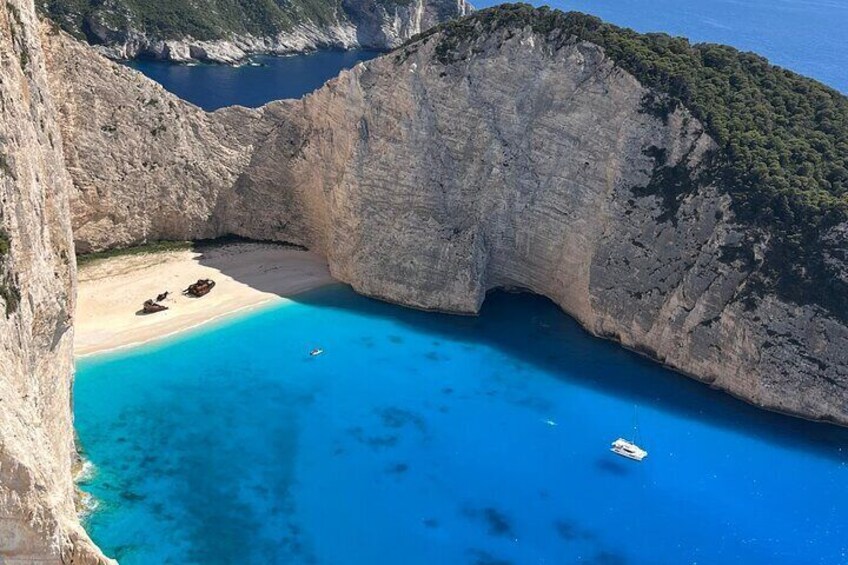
(353, 23)
(38, 521)
(145, 164)
(428, 183)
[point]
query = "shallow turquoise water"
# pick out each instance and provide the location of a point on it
(423, 438)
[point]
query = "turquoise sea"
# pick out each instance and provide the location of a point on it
(434, 439)
(421, 438)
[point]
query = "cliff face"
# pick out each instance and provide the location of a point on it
(164, 162)
(425, 180)
(225, 32)
(38, 521)
(428, 183)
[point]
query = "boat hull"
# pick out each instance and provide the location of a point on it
(628, 449)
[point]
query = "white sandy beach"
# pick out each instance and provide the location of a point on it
(247, 275)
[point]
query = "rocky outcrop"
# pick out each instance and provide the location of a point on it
(133, 44)
(38, 521)
(352, 24)
(429, 182)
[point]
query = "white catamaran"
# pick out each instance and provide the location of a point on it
(627, 448)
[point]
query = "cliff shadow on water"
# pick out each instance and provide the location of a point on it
(532, 329)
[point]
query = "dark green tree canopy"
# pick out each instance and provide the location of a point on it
(176, 19)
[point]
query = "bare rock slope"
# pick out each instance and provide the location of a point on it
(428, 182)
(38, 520)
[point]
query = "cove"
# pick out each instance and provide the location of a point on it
(429, 438)
(267, 78)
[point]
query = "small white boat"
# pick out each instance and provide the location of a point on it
(316, 352)
(628, 449)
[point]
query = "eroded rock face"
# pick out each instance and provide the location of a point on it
(356, 23)
(146, 165)
(429, 183)
(38, 521)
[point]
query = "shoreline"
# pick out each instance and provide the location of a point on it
(238, 50)
(248, 276)
(247, 61)
(183, 330)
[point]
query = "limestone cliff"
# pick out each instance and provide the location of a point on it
(167, 160)
(38, 521)
(518, 158)
(226, 32)
(428, 181)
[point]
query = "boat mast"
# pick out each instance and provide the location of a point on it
(635, 427)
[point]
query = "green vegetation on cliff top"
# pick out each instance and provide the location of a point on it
(783, 138)
(177, 19)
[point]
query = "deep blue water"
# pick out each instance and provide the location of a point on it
(215, 86)
(423, 438)
(807, 36)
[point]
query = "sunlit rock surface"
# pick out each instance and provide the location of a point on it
(38, 520)
(428, 183)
